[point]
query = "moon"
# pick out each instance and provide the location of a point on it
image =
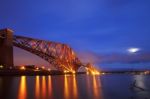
(133, 50)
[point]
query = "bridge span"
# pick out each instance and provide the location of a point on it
(61, 56)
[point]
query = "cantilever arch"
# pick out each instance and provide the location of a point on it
(6, 48)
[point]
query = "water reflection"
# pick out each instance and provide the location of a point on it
(49, 87)
(66, 88)
(88, 84)
(37, 87)
(140, 81)
(22, 94)
(75, 87)
(75, 92)
(43, 87)
(93, 86)
(139, 88)
(96, 89)
(70, 87)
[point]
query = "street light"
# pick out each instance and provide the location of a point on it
(22, 68)
(1, 66)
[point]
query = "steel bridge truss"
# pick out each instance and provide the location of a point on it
(59, 55)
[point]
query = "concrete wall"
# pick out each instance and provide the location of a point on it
(6, 48)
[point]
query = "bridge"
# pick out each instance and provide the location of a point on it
(60, 56)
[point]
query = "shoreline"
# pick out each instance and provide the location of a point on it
(33, 73)
(17, 72)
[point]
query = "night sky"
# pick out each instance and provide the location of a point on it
(99, 31)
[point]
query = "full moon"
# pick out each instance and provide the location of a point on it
(133, 50)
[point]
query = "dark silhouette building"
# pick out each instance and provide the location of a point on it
(6, 48)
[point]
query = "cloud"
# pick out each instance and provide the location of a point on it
(114, 58)
(126, 58)
(88, 57)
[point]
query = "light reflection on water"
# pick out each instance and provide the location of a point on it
(44, 88)
(49, 87)
(66, 89)
(74, 87)
(75, 94)
(22, 93)
(95, 87)
(70, 87)
(37, 87)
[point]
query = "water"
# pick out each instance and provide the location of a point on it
(115, 86)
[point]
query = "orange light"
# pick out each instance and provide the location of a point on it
(37, 86)
(50, 87)
(95, 72)
(22, 88)
(36, 69)
(43, 90)
(73, 72)
(22, 68)
(95, 89)
(87, 72)
(66, 87)
(49, 69)
(1, 66)
(43, 67)
(75, 92)
(65, 71)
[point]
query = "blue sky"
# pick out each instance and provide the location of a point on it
(95, 27)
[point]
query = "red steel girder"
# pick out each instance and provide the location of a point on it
(61, 56)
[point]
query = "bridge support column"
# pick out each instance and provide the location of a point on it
(6, 48)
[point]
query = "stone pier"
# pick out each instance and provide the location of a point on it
(6, 48)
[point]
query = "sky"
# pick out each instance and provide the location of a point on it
(99, 31)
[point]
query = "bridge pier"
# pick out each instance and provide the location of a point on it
(6, 48)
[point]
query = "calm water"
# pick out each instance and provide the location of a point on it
(75, 87)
